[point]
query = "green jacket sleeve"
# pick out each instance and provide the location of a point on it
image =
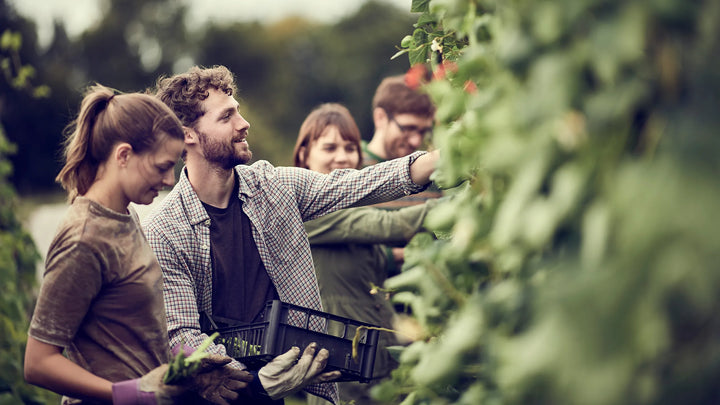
(368, 225)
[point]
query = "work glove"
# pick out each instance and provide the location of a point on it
(216, 381)
(147, 390)
(285, 374)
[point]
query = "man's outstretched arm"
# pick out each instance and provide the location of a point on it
(423, 167)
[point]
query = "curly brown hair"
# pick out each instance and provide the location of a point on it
(184, 92)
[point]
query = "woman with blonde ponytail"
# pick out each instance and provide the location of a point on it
(101, 299)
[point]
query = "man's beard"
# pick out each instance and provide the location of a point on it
(393, 151)
(222, 154)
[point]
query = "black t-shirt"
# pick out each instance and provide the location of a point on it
(241, 285)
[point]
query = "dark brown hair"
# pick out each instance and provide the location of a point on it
(323, 116)
(395, 97)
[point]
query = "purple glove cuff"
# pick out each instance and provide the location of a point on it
(186, 349)
(128, 393)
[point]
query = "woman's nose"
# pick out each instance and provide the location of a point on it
(341, 156)
(169, 178)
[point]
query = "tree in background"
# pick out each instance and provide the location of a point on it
(18, 254)
(134, 42)
(283, 70)
(575, 261)
(28, 120)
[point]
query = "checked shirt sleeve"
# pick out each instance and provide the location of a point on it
(179, 293)
(319, 194)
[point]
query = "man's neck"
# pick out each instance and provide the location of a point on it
(214, 186)
(375, 147)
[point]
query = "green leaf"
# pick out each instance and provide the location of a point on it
(418, 55)
(407, 41)
(425, 19)
(395, 351)
(399, 53)
(419, 6)
(183, 366)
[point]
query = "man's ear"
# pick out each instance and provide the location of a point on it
(380, 117)
(122, 153)
(190, 135)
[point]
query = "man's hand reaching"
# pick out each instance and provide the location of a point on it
(286, 374)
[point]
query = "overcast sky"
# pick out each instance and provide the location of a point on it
(80, 14)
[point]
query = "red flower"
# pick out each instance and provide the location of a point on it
(470, 87)
(439, 73)
(443, 69)
(415, 76)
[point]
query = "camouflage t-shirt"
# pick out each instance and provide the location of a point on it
(101, 295)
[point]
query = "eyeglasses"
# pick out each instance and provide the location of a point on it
(409, 129)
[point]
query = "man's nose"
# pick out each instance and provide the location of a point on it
(415, 139)
(241, 124)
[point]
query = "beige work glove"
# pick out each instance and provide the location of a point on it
(147, 390)
(218, 382)
(284, 376)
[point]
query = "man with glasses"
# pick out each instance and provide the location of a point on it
(403, 120)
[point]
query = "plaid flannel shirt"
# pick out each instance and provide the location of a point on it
(277, 200)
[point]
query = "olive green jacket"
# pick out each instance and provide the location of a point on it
(350, 259)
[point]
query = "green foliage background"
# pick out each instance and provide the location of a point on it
(577, 259)
(18, 254)
(283, 70)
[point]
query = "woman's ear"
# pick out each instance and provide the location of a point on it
(301, 156)
(122, 153)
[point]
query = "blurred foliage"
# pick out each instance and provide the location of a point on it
(134, 42)
(576, 260)
(283, 70)
(286, 69)
(30, 122)
(18, 254)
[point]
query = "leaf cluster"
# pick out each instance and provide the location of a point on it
(18, 256)
(185, 366)
(17, 74)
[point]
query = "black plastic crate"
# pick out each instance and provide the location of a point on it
(285, 325)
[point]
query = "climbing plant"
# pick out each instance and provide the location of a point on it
(18, 254)
(575, 260)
